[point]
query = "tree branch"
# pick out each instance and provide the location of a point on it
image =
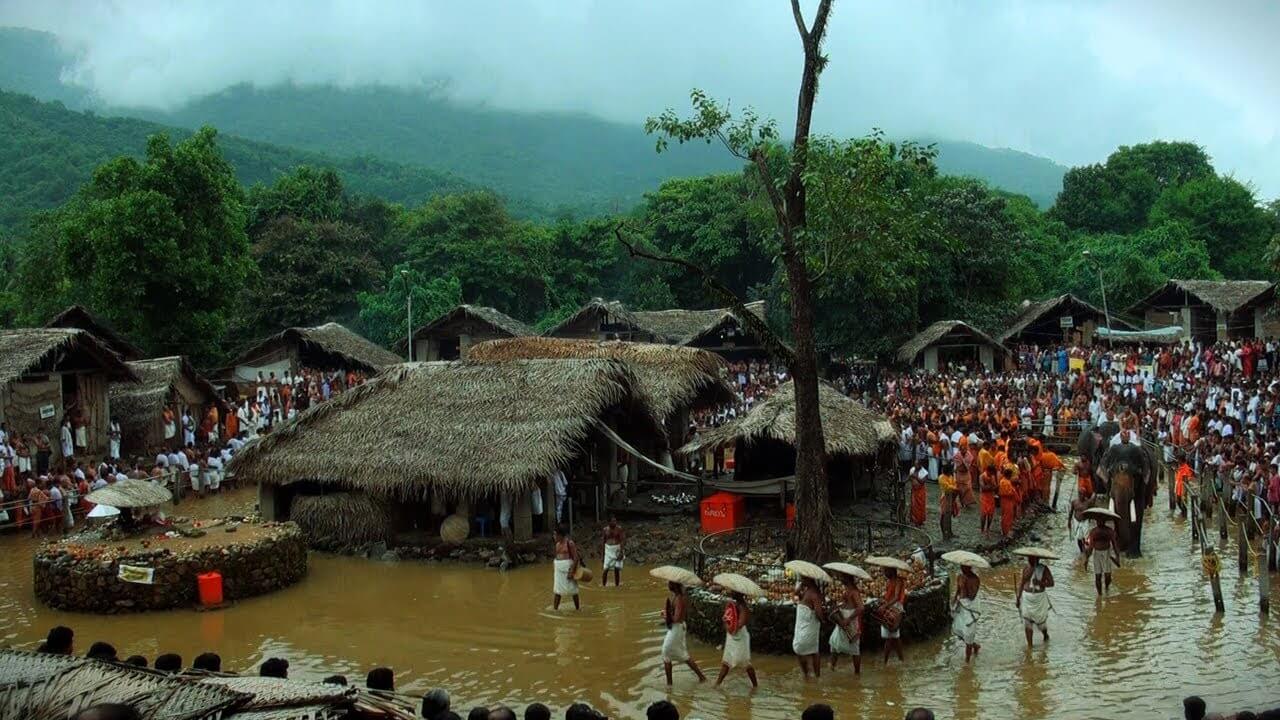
(774, 344)
(776, 201)
(800, 24)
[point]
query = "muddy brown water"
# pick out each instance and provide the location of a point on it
(491, 637)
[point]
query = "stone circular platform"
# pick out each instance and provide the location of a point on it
(82, 573)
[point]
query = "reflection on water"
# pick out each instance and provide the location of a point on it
(491, 637)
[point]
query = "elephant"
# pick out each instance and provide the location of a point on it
(1127, 474)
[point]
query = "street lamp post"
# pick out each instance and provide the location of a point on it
(408, 292)
(1106, 313)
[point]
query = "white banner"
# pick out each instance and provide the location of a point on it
(137, 574)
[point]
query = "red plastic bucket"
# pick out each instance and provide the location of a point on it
(209, 585)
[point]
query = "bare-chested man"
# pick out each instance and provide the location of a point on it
(1077, 525)
(964, 622)
(566, 565)
(805, 636)
(614, 537)
(675, 647)
(1100, 552)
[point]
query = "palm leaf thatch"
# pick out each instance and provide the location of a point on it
(671, 377)
(848, 426)
(268, 692)
(944, 329)
(464, 428)
(499, 323)
(142, 402)
(131, 493)
(342, 519)
(341, 346)
(1226, 296)
(610, 311)
(1051, 309)
(41, 350)
(682, 327)
(78, 316)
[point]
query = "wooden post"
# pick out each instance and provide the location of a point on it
(1222, 522)
(1273, 549)
(1211, 563)
(549, 505)
(1195, 523)
(1243, 554)
(1264, 584)
(522, 522)
(1173, 502)
(633, 475)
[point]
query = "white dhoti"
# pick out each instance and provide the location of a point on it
(1100, 561)
(213, 479)
(1035, 609)
(964, 622)
(564, 585)
(188, 437)
(67, 449)
(839, 640)
(675, 646)
(804, 639)
(82, 437)
(737, 649)
(24, 464)
(894, 634)
(170, 429)
(195, 476)
(1079, 530)
(113, 449)
(612, 557)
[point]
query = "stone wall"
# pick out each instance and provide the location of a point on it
(928, 613)
(90, 584)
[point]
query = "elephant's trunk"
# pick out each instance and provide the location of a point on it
(1122, 497)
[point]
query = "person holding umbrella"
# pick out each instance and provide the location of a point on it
(893, 604)
(964, 609)
(737, 639)
(846, 638)
(805, 637)
(675, 646)
(1033, 591)
(1100, 547)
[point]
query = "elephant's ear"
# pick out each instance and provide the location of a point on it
(1084, 445)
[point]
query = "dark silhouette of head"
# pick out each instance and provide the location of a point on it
(435, 704)
(381, 678)
(109, 711)
(209, 662)
(274, 667)
(58, 641)
(502, 712)
(919, 714)
(818, 711)
(478, 713)
(1193, 708)
(169, 662)
(662, 710)
(136, 661)
(101, 651)
(336, 680)
(537, 711)
(581, 711)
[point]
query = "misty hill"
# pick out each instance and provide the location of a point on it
(47, 152)
(538, 160)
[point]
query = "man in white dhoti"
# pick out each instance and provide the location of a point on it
(737, 639)
(188, 429)
(213, 471)
(675, 645)
(1033, 598)
(614, 537)
(964, 615)
(113, 440)
(66, 440)
(1100, 553)
(566, 568)
(804, 638)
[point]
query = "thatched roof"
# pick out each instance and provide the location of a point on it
(331, 339)
(611, 309)
(671, 377)
(78, 316)
(1052, 309)
(682, 327)
(131, 494)
(143, 401)
(941, 329)
(848, 427)
(342, 519)
(29, 351)
(501, 323)
(1222, 295)
(463, 427)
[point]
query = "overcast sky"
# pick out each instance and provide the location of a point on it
(1070, 81)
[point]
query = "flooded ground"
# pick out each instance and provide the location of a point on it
(490, 637)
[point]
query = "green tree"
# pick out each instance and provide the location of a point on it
(1223, 214)
(309, 272)
(1118, 196)
(158, 247)
(1135, 265)
(384, 316)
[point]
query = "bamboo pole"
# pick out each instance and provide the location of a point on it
(1211, 566)
(1222, 519)
(1264, 585)
(1173, 502)
(1242, 555)
(1195, 524)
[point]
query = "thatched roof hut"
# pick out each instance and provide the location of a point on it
(603, 320)
(46, 372)
(848, 426)
(672, 378)
(451, 335)
(718, 329)
(463, 428)
(1040, 322)
(327, 347)
(79, 317)
(163, 382)
(950, 341)
(1208, 310)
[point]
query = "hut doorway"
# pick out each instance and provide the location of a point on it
(449, 348)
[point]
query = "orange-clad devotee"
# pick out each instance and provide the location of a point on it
(1008, 502)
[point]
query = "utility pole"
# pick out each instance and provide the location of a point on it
(408, 292)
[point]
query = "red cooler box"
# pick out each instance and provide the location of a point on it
(722, 511)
